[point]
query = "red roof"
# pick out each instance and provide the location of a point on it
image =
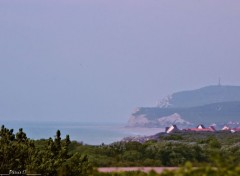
(199, 130)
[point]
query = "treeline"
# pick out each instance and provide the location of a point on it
(195, 154)
(169, 150)
(51, 158)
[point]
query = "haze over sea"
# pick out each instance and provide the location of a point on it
(86, 60)
(86, 132)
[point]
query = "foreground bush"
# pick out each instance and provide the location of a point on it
(18, 153)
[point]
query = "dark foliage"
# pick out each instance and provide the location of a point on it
(46, 157)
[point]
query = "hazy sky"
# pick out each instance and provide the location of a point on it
(86, 60)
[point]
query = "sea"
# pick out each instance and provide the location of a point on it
(92, 133)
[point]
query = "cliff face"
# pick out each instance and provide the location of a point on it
(212, 104)
(161, 122)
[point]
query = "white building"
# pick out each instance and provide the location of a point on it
(171, 129)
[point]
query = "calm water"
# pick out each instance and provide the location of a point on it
(88, 133)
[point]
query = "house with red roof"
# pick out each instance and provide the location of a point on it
(234, 130)
(201, 128)
(226, 128)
